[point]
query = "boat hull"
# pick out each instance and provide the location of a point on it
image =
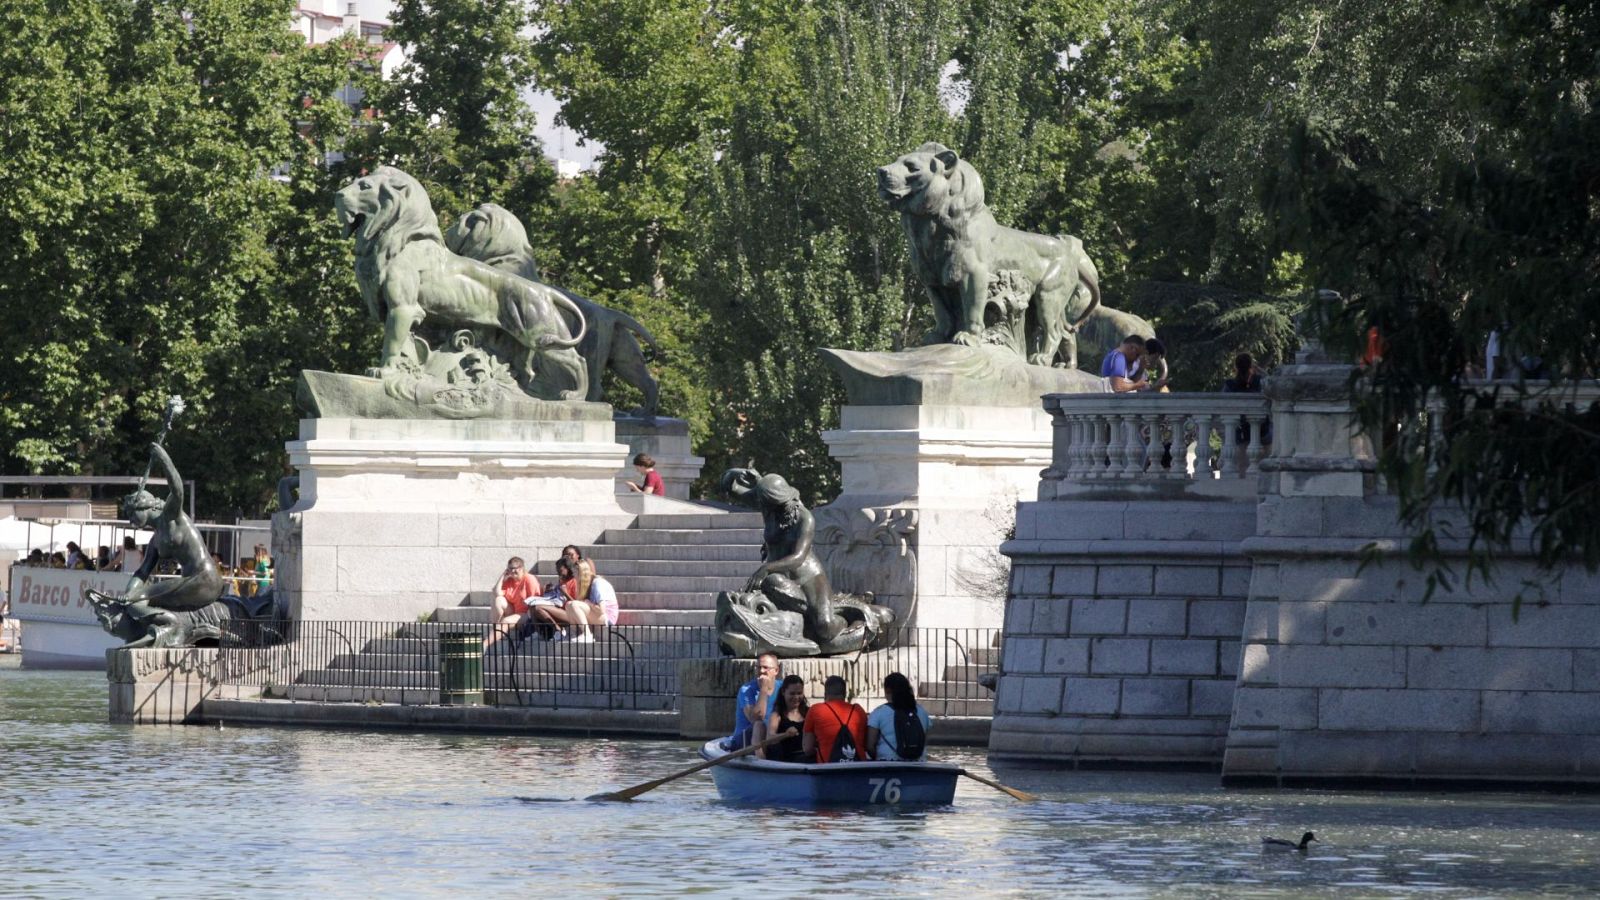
(759, 781)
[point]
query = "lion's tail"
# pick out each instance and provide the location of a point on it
(635, 326)
(1090, 278)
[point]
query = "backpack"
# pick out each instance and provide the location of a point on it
(844, 745)
(910, 738)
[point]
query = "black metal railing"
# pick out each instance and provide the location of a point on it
(628, 666)
(625, 667)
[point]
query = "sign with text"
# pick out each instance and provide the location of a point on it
(56, 595)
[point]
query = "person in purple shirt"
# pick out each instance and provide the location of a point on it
(1121, 366)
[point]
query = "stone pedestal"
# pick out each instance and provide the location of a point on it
(667, 441)
(929, 493)
(162, 687)
(397, 517)
(935, 448)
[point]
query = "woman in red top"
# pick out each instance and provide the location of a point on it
(652, 479)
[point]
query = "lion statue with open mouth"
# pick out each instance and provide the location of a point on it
(988, 283)
(408, 277)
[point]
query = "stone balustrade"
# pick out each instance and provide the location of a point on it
(1198, 444)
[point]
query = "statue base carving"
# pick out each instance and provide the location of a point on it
(750, 623)
(428, 394)
(952, 375)
(142, 626)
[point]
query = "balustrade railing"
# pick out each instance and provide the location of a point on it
(1208, 444)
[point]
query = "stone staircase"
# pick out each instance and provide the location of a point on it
(630, 667)
(667, 568)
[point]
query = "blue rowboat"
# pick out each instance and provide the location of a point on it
(752, 780)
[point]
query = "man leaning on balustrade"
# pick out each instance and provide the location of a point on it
(1122, 366)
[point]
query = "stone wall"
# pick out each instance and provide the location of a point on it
(1122, 631)
(1349, 674)
(162, 687)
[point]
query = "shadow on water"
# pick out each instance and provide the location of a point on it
(291, 813)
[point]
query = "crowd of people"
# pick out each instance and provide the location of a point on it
(576, 603)
(772, 710)
(251, 576)
(126, 559)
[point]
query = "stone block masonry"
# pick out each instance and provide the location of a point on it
(1121, 643)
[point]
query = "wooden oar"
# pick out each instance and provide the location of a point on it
(636, 790)
(1024, 796)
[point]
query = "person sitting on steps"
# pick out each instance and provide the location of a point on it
(515, 588)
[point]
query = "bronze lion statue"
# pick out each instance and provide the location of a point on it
(988, 283)
(491, 234)
(408, 277)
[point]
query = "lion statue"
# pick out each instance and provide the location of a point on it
(492, 235)
(976, 271)
(408, 276)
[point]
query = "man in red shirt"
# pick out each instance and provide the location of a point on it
(511, 598)
(820, 735)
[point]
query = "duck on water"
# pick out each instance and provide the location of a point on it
(1272, 843)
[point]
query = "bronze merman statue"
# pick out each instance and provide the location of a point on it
(184, 611)
(198, 583)
(787, 606)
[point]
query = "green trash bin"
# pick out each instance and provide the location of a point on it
(460, 668)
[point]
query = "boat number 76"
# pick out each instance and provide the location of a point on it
(888, 787)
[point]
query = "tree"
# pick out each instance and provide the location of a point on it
(1496, 227)
(134, 196)
(454, 116)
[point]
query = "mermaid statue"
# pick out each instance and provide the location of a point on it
(787, 606)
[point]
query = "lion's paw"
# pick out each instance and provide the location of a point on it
(1039, 359)
(374, 372)
(967, 339)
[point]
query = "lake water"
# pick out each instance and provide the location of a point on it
(88, 808)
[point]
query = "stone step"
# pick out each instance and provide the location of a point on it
(966, 673)
(629, 600)
(623, 644)
(942, 708)
(523, 662)
(700, 611)
(636, 634)
(953, 690)
(617, 568)
(602, 553)
(423, 696)
(727, 537)
(717, 521)
(559, 682)
(677, 617)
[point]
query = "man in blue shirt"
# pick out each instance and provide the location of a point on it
(1121, 366)
(754, 702)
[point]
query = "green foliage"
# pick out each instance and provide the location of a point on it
(165, 201)
(1475, 205)
(142, 231)
(453, 115)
